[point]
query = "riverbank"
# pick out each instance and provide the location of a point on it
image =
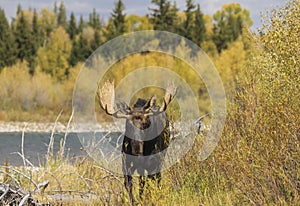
(54, 127)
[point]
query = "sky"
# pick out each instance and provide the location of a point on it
(140, 7)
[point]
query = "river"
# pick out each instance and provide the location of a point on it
(36, 146)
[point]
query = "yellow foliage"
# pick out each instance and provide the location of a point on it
(47, 21)
(19, 87)
(137, 23)
(88, 34)
(53, 58)
(25, 97)
(230, 62)
(27, 14)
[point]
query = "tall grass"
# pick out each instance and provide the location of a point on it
(257, 161)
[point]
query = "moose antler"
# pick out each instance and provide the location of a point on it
(106, 96)
(169, 95)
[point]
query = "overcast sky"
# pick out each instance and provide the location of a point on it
(140, 7)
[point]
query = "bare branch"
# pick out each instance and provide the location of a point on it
(66, 133)
(198, 122)
(21, 173)
(11, 176)
(50, 146)
(22, 146)
(22, 156)
(110, 173)
(24, 200)
(6, 189)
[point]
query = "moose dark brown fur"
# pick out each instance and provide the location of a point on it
(146, 134)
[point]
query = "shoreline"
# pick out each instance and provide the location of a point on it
(26, 127)
(38, 127)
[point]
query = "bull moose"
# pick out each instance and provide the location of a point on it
(147, 134)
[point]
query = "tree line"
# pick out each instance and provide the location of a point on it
(52, 42)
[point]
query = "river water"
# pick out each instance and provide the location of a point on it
(36, 146)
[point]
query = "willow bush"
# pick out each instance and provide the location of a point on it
(260, 143)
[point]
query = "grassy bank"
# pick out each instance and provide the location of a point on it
(257, 161)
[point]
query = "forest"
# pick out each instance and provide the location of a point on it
(257, 160)
(43, 51)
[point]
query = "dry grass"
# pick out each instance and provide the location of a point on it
(257, 161)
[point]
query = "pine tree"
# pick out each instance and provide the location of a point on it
(72, 27)
(80, 51)
(26, 48)
(55, 8)
(19, 9)
(199, 30)
(229, 23)
(37, 38)
(187, 28)
(116, 25)
(165, 16)
(62, 16)
(35, 26)
(81, 24)
(96, 41)
(94, 20)
(7, 46)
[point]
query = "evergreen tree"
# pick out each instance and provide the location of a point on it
(116, 25)
(173, 18)
(62, 16)
(26, 45)
(35, 26)
(94, 20)
(80, 51)
(72, 27)
(188, 26)
(165, 16)
(7, 46)
(19, 9)
(81, 24)
(36, 35)
(55, 8)
(229, 23)
(96, 41)
(199, 30)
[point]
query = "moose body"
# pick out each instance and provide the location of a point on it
(147, 135)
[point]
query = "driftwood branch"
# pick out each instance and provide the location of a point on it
(11, 195)
(11, 177)
(21, 173)
(22, 147)
(66, 133)
(24, 159)
(51, 142)
(110, 173)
